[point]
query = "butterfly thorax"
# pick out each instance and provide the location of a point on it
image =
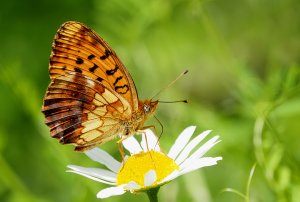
(146, 109)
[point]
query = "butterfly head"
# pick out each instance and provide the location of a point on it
(148, 107)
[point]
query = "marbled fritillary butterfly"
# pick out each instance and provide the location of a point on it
(91, 98)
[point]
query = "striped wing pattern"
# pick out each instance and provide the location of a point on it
(90, 93)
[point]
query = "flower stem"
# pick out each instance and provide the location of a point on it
(152, 194)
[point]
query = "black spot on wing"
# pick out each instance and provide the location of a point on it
(117, 79)
(92, 69)
(107, 53)
(79, 61)
(112, 71)
(122, 89)
(76, 69)
(90, 57)
(99, 79)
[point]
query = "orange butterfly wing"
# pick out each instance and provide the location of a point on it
(90, 92)
(78, 48)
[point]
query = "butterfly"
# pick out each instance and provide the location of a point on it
(92, 98)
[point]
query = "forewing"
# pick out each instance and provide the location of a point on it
(77, 48)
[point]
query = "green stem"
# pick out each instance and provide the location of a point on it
(152, 194)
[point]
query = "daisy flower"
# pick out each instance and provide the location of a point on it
(148, 168)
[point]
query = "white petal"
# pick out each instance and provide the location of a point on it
(104, 158)
(111, 191)
(96, 172)
(132, 145)
(200, 152)
(190, 146)
(149, 178)
(200, 163)
(91, 177)
(181, 141)
(151, 140)
(170, 177)
(131, 186)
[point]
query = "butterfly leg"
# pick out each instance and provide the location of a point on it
(155, 133)
(144, 133)
(121, 148)
(147, 145)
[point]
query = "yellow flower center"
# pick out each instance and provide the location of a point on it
(138, 165)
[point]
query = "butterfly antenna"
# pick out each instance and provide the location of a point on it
(162, 130)
(184, 101)
(178, 77)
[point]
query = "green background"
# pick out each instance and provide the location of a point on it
(243, 59)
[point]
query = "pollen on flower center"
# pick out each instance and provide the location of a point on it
(138, 165)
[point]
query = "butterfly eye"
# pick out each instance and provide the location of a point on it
(146, 108)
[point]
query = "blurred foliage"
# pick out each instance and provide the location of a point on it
(244, 83)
